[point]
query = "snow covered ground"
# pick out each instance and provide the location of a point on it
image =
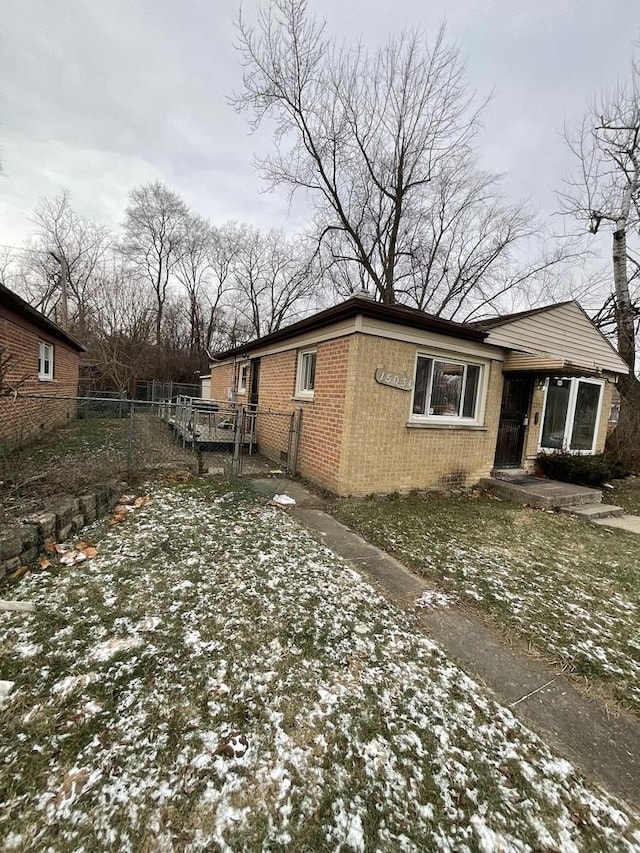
(215, 680)
(570, 588)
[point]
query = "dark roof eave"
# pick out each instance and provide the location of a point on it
(17, 304)
(398, 314)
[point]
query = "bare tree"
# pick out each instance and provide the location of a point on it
(203, 269)
(61, 263)
(273, 276)
(383, 144)
(154, 229)
(10, 380)
(605, 194)
(123, 330)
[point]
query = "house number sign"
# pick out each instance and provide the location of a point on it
(395, 380)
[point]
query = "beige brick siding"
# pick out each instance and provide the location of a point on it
(383, 454)
(22, 418)
(355, 435)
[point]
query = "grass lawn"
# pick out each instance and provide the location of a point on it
(625, 493)
(215, 680)
(570, 588)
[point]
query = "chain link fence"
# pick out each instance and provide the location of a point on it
(247, 439)
(52, 447)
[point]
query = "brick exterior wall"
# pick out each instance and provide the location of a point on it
(382, 453)
(221, 381)
(21, 418)
(355, 437)
(321, 440)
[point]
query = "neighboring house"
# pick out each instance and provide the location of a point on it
(395, 399)
(40, 359)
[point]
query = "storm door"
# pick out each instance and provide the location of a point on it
(516, 393)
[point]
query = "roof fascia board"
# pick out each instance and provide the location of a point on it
(434, 340)
(336, 330)
(367, 309)
(24, 312)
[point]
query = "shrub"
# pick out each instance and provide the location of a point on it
(581, 470)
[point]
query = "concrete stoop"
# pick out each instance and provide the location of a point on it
(592, 512)
(544, 494)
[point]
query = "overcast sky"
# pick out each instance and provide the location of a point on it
(102, 95)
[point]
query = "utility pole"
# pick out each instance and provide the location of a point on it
(64, 278)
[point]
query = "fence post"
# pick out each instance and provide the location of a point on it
(296, 427)
(131, 437)
(237, 442)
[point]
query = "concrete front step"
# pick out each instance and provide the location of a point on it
(591, 512)
(538, 492)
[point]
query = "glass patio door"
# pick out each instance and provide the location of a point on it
(571, 414)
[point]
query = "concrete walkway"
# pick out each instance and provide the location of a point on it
(603, 742)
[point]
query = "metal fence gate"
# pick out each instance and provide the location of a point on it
(235, 432)
(52, 446)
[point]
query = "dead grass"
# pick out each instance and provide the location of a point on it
(86, 453)
(570, 589)
(209, 614)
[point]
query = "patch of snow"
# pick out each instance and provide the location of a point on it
(284, 500)
(105, 651)
(431, 598)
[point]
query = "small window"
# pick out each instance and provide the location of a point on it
(446, 389)
(242, 378)
(45, 361)
(306, 376)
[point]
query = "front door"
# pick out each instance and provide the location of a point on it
(516, 394)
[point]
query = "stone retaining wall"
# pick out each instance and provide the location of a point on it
(22, 545)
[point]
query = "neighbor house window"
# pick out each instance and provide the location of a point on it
(446, 389)
(571, 414)
(45, 361)
(306, 375)
(242, 378)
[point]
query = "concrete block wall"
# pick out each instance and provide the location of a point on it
(21, 545)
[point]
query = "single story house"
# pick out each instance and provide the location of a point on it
(393, 398)
(37, 359)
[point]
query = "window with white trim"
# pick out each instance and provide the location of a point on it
(242, 378)
(571, 414)
(446, 390)
(306, 374)
(45, 360)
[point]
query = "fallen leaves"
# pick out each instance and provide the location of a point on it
(68, 556)
(127, 504)
(233, 746)
(19, 572)
(73, 784)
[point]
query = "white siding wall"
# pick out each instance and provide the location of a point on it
(564, 332)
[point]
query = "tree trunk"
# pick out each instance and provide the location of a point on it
(624, 441)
